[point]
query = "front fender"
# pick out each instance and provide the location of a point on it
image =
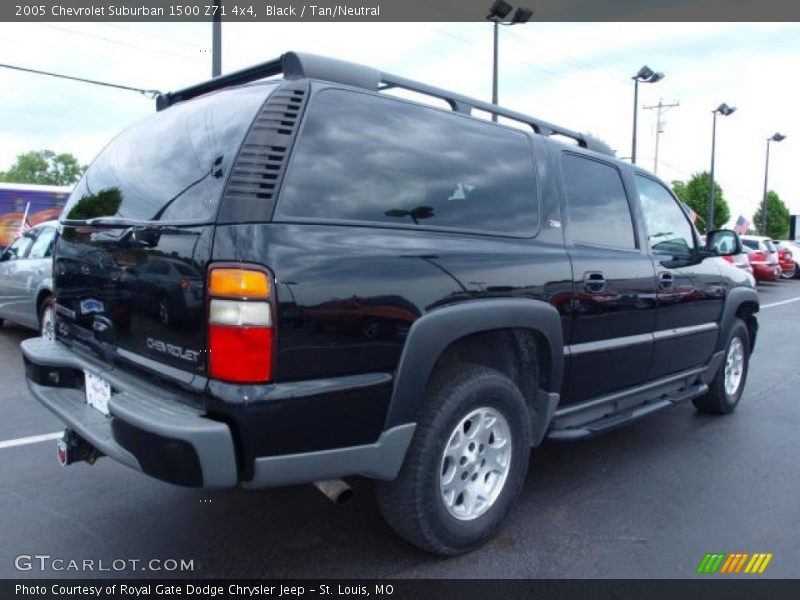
(432, 333)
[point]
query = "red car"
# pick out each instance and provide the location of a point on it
(786, 258)
(763, 267)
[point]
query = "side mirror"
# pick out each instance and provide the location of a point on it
(723, 242)
(6, 255)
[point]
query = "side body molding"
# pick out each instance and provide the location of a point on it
(432, 333)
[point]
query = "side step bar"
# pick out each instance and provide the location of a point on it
(623, 418)
(604, 413)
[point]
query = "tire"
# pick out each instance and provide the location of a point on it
(789, 274)
(47, 319)
(722, 399)
(461, 399)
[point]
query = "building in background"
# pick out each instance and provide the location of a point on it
(46, 202)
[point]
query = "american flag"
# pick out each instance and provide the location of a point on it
(689, 212)
(24, 225)
(742, 225)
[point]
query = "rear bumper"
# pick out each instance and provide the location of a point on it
(766, 272)
(170, 437)
(150, 429)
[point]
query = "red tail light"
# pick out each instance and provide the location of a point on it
(728, 258)
(240, 333)
(759, 256)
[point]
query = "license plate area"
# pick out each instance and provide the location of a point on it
(98, 392)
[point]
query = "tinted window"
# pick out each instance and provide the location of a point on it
(366, 158)
(172, 165)
(18, 248)
(596, 203)
(751, 244)
(668, 227)
(43, 245)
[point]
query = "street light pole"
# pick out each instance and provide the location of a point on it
(497, 13)
(724, 110)
(216, 40)
(777, 137)
(494, 68)
(645, 75)
(635, 117)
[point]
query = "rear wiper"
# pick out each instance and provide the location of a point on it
(114, 221)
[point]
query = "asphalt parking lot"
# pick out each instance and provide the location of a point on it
(645, 501)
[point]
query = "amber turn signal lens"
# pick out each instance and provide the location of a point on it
(238, 283)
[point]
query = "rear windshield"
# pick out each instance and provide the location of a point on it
(362, 157)
(172, 165)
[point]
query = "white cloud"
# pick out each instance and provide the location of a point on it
(577, 75)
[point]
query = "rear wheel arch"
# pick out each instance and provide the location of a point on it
(518, 337)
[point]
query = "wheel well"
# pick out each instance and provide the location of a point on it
(747, 313)
(523, 355)
(40, 300)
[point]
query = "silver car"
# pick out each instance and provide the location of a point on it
(26, 279)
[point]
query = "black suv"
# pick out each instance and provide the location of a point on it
(273, 281)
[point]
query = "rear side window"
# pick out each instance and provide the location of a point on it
(43, 246)
(367, 158)
(598, 209)
(172, 165)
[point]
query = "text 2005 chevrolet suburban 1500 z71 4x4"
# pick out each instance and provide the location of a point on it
(286, 280)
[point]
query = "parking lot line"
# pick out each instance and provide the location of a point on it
(30, 440)
(770, 305)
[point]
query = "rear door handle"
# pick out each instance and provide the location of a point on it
(665, 280)
(594, 282)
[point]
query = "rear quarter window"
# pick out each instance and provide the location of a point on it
(370, 158)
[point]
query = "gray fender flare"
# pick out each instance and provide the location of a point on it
(736, 297)
(432, 333)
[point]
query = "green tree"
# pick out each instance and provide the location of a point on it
(44, 167)
(694, 194)
(777, 217)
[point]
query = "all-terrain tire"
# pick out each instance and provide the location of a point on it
(414, 504)
(722, 399)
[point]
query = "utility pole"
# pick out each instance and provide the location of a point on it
(216, 40)
(661, 108)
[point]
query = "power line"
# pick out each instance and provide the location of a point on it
(150, 93)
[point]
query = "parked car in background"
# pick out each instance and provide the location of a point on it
(788, 255)
(763, 255)
(26, 279)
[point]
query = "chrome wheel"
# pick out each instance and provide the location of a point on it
(734, 366)
(48, 326)
(475, 464)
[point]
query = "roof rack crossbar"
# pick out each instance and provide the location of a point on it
(300, 65)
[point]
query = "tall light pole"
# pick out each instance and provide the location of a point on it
(497, 13)
(645, 75)
(724, 110)
(777, 137)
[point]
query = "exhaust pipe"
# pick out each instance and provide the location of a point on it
(336, 490)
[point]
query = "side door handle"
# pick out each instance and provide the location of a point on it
(594, 282)
(665, 280)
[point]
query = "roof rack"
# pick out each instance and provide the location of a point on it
(294, 65)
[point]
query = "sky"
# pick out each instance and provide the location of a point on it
(577, 75)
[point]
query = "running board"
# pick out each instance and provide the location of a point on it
(569, 432)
